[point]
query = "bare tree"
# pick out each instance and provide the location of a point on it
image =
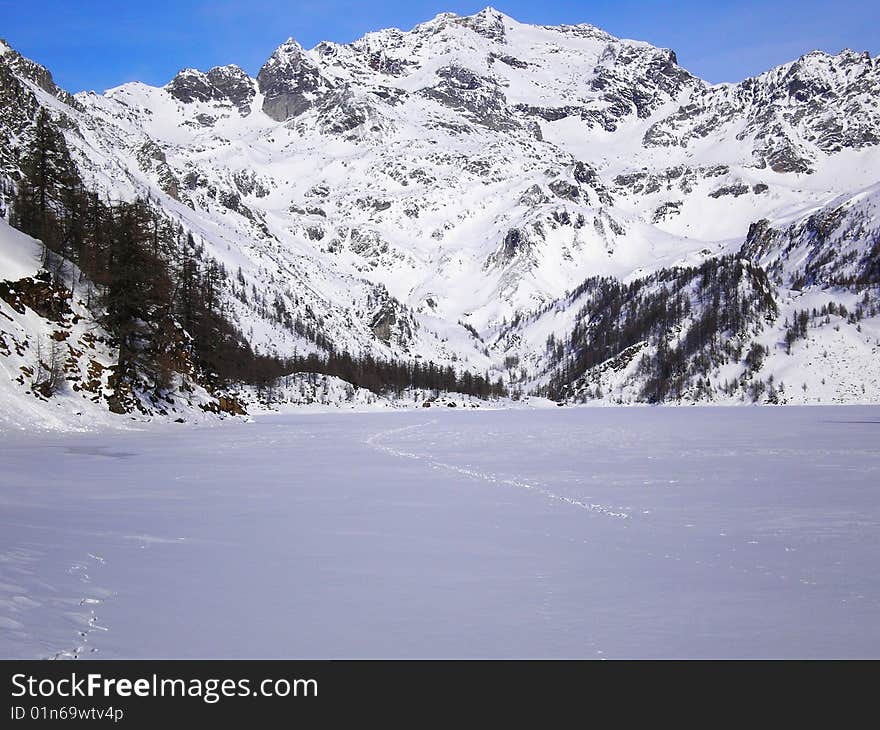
(48, 368)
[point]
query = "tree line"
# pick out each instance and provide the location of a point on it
(393, 378)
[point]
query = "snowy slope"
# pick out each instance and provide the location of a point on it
(46, 329)
(26, 341)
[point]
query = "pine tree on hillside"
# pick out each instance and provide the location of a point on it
(47, 177)
(138, 289)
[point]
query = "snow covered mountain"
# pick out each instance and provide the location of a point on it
(478, 192)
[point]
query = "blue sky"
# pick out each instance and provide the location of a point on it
(96, 44)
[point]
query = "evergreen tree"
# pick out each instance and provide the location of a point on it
(47, 178)
(137, 295)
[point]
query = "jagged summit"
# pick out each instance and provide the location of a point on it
(291, 82)
(222, 84)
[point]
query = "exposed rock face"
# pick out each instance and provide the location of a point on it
(627, 81)
(39, 293)
(190, 85)
(513, 241)
(342, 112)
(488, 23)
(587, 176)
(222, 84)
(35, 73)
(291, 83)
(516, 246)
(565, 190)
(249, 183)
(234, 84)
(549, 114)
(19, 108)
(533, 196)
(666, 211)
(633, 80)
(584, 173)
(478, 97)
(734, 190)
(152, 159)
(391, 323)
(382, 323)
(509, 60)
(781, 154)
(680, 177)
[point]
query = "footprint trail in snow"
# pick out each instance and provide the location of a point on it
(376, 441)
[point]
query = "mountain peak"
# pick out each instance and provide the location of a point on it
(490, 12)
(224, 84)
(488, 22)
(34, 72)
(290, 46)
(290, 82)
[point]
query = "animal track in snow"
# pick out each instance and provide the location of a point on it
(91, 618)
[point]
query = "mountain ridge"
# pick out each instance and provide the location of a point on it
(422, 194)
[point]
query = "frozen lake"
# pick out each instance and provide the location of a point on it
(641, 532)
